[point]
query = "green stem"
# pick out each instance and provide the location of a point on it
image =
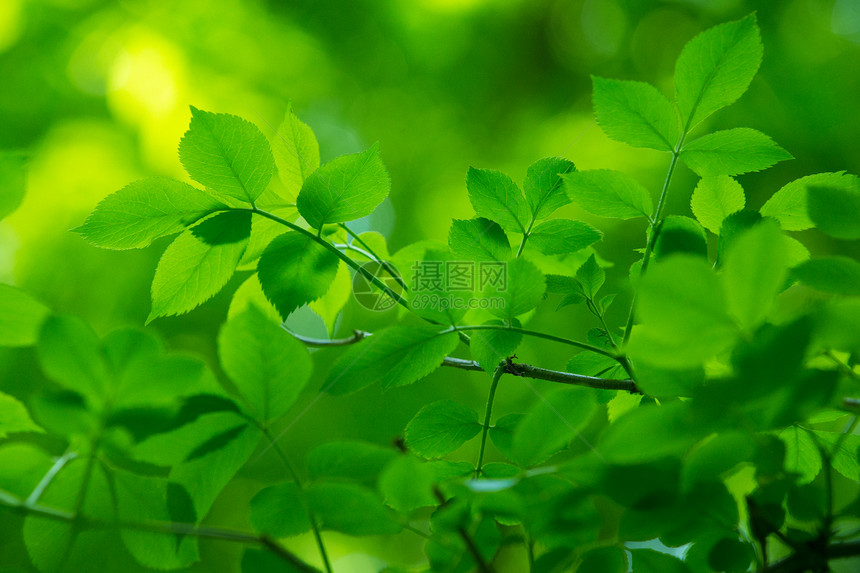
(485, 429)
(536, 334)
(526, 236)
(34, 497)
(376, 258)
(655, 227)
(295, 475)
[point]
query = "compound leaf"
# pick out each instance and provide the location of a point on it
(198, 263)
(635, 113)
(714, 199)
(344, 189)
(732, 152)
(440, 428)
(268, 366)
(608, 193)
(715, 69)
(145, 210)
(396, 356)
(227, 154)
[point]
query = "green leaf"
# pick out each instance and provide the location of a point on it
(715, 456)
(732, 152)
(296, 152)
(495, 196)
(204, 455)
(21, 317)
(344, 189)
(13, 182)
(350, 509)
(754, 272)
(608, 193)
(789, 204)
(603, 560)
(650, 561)
(524, 290)
(407, 484)
(801, 454)
(562, 236)
(715, 69)
(836, 210)
(268, 366)
(591, 276)
(680, 235)
(329, 306)
(145, 499)
(635, 113)
(353, 461)
(489, 347)
(145, 210)
(295, 270)
(14, 417)
(440, 428)
(69, 354)
(22, 466)
(551, 424)
(731, 556)
(683, 312)
(198, 263)
(478, 240)
(846, 458)
(280, 510)
(835, 275)
(714, 199)
(543, 186)
(264, 561)
(227, 154)
(396, 356)
(649, 433)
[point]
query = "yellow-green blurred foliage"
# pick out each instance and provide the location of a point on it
(96, 94)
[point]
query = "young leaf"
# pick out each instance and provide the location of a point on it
(69, 353)
(280, 510)
(635, 113)
(715, 69)
(397, 356)
(789, 204)
(591, 276)
(608, 193)
(268, 366)
(350, 509)
(732, 152)
(495, 196)
(227, 154)
(562, 236)
(295, 270)
(198, 263)
(14, 417)
(490, 347)
(836, 210)
(440, 428)
(523, 291)
(835, 275)
(683, 312)
(478, 240)
(754, 273)
(714, 199)
(145, 210)
(296, 152)
(21, 317)
(543, 185)
(551, 424)
(344, 189)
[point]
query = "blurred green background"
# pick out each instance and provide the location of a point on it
(96, 94)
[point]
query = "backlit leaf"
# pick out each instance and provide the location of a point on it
(789, 204)
(296, 152)
(478, 240)
(562, 236)
(714, 199)
(732, 152)
(495, 196)
(835, 275)
(440, 428)
(635, 113)
(543, 185)
(608, 193)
